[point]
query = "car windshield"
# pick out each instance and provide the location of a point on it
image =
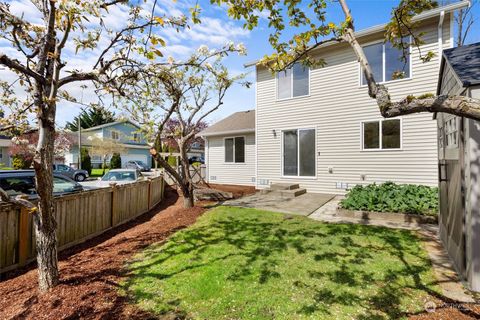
(119, 176)
(141, 163)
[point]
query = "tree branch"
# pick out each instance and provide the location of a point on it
(18, 66)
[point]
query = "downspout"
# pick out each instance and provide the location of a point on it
(440, 36)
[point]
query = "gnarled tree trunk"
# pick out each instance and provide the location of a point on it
(44, 219)
(187, 185)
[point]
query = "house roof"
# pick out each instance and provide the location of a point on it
(111, 124)
(465, 62)
(381, 27)
(239, 122)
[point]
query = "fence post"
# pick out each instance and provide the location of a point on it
(149, 193)
(23, 236)
(113, 214)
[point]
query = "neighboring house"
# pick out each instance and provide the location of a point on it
(319, 128)
(459, 165)
(5, 143)
(230, 149)
(125, 132)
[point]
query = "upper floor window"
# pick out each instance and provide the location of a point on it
(293, 82)
(381, 135)
(387, 62)
(235, 150)
(136, 137)
(114, 135)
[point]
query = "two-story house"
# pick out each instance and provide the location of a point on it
(132, 144)
(319, 128)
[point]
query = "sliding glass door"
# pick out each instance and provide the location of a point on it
(299, 152)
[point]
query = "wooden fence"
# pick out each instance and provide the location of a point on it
(79, 217)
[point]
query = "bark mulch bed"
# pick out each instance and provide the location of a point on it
(91, 272)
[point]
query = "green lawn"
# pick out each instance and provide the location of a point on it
(248, 264)
(97, 173)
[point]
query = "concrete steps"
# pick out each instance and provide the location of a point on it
(285, 190)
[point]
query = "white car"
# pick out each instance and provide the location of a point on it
(119, 176)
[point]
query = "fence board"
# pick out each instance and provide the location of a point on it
(79, 217)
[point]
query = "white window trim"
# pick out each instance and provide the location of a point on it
(291, 87)
(360, 71)
(380, 149)
(234, 158)
(298, 176)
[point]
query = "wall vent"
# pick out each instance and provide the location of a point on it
(213, 177)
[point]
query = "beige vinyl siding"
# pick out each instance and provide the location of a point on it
(230, 173)
(336, 107)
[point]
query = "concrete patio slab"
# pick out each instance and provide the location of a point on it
(303, 205)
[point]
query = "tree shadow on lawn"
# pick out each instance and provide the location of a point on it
(347, 258)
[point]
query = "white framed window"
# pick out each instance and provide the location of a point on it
(387, 63)
(298, 146)
(451, 132)
(385, 134)
(293, 82)
(114, 135)
(136, 137)
(234, 149)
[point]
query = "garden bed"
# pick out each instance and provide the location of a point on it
(409, 200)
(387, 216)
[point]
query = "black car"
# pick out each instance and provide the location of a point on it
(17, 182)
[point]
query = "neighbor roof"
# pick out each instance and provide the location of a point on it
(239, 122)
(111, 124)
(381, 27)
(465, 62)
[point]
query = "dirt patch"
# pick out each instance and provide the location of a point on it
(237, 191)
(91, 272)
(440, 310)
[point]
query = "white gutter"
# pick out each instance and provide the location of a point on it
(379, 28)
(222, 133)
(440, 36)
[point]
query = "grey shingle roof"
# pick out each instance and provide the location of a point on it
(243, 121)
(465, 62)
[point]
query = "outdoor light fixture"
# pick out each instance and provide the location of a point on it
(274, 133)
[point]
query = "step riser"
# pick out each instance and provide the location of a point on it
(288, 193)
(284, 186)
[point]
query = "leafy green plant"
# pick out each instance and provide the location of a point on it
(19, 162)
(391, 197)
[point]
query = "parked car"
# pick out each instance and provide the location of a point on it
(75, 174)
(139, 165)
(194, 159)
(17, 182)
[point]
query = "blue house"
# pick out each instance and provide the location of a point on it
(124, 132)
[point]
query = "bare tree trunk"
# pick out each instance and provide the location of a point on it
(187, 185)
(45, 224)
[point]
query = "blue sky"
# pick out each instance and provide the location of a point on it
(215, 30)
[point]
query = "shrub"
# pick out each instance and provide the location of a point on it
(391, 197)
(116, 161)
(86, 160)
(172, 161)
(20, 162)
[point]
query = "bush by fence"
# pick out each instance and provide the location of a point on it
(79, 217)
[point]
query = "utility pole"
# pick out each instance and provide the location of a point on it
(79, 144)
